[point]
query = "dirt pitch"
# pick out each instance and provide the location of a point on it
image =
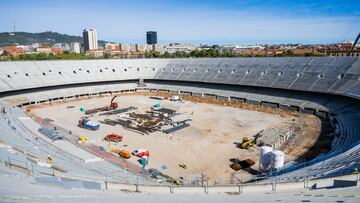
(206, 147)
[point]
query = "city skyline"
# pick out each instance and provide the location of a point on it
(245, 22)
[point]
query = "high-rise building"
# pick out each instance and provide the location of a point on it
(75, 47)
(90, 39)
(151, 37)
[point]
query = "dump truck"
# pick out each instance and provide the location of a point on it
(87, 123)
(246, 143)
(113, 138)
(123, 153)
(238, 165)
(113, 105)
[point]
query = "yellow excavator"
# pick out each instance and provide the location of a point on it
(246, 143)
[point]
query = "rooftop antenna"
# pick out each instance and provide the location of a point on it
(14, 26)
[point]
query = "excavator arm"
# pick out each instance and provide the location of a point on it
(112, 100)
(113, 105)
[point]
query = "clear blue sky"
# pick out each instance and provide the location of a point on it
(192, 21)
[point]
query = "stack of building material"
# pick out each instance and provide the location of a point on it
(273, 137)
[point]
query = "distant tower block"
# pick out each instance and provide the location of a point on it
(151, 37)
(90, 39)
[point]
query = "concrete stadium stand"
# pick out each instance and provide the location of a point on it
(329, 85)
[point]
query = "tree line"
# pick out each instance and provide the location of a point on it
(213, 53)
(66, 55)
(204, 53)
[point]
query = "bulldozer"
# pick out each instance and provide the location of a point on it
(246, 143)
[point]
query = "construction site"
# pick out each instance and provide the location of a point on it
(136, 129)
(183, 137)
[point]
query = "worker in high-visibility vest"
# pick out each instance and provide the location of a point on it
(49, 159)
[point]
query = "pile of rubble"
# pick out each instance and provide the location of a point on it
(273, 137)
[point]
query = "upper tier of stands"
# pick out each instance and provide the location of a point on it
(337, 75)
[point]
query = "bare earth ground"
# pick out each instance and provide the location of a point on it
(205, 147)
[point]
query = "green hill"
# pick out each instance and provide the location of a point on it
(48, 38)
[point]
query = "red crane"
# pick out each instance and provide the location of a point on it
(113, 105)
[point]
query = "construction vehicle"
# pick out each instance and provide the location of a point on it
(182, 165)
(82, 139)
(175, 98)
(238, 165)
(141, 153)
(28, 108)
(156, 106)
(113, 105)
(83, 109)
(87, 123)
(246, 143)
(49, 159)
(113, 138)
(123, 153)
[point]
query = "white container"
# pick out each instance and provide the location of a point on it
(175, 98)
(277, 159)
(265, 157)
